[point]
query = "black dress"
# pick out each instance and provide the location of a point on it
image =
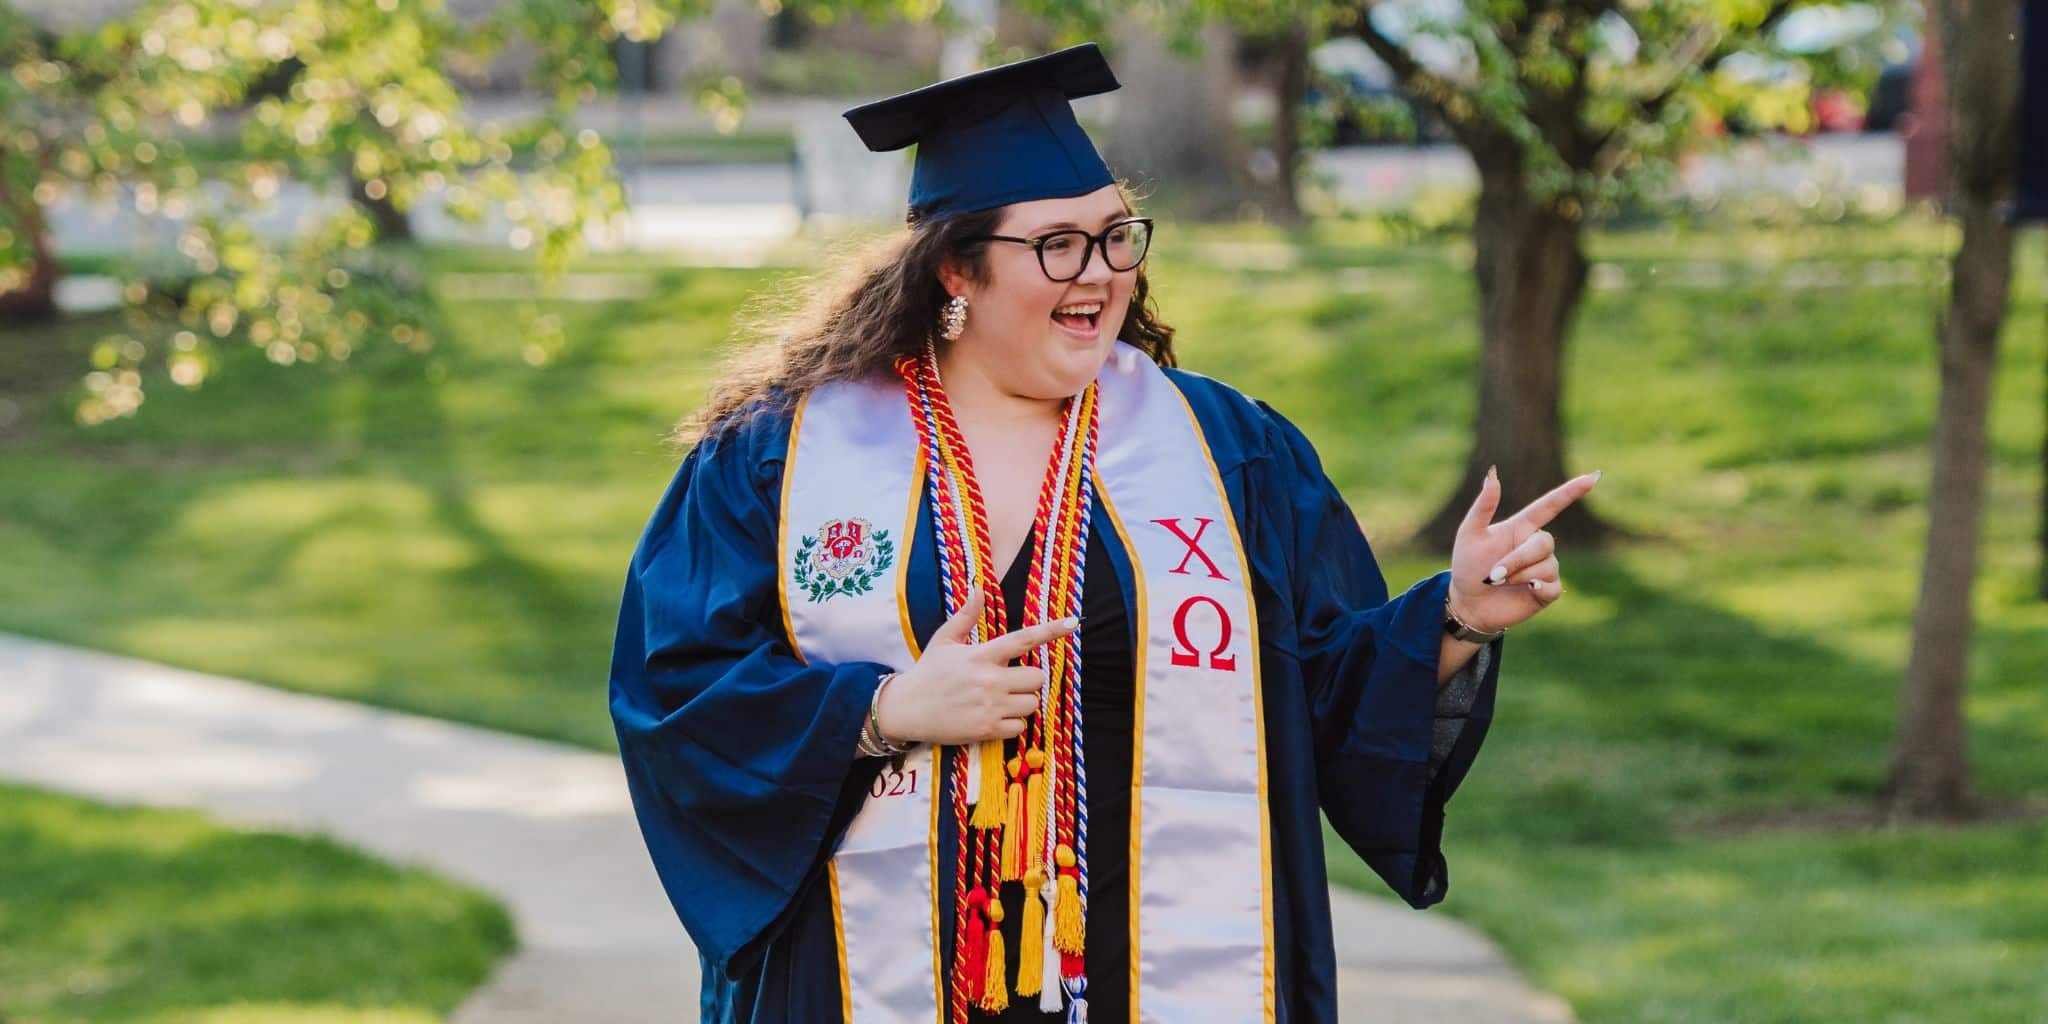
(1108, 693)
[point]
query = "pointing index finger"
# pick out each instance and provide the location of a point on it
(1014, 644)
(1538, 514)
(1484, 505)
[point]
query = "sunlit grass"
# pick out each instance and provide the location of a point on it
(448, 533)
(132, 915)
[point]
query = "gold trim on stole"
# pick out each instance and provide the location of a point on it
(1138, 661)
(931, 835)
(782, 537)
(839, 946)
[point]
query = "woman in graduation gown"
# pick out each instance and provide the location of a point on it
(979, 664)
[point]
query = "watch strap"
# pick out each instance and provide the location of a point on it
(1458, 630)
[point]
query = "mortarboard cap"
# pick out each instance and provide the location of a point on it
(1002, 135)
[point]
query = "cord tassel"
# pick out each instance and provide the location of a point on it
(1034, 809)
(988, 810)
(1031, 936)
(1071, 930)
(1077, 1011)
(970, 763)
(974, 945)
(995, 987)
(1049, 957)
(1013, 825)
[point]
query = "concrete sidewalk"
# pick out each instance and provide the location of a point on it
(546, 828)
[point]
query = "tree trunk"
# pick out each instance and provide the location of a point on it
(36, 298)
(1930, 769)
(392, 223)
(1926, 127)
(1531, 267)
(1175, 112)
(1289, 90)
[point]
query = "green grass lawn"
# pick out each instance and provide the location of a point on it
(448, 533)
(130, 915)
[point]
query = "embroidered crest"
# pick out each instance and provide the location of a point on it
(847, 561)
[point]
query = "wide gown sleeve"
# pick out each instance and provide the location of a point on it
(1391, 745)
(739, 756)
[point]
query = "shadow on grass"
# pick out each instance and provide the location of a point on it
(1661, 716)
(389, 415)
(130, 913)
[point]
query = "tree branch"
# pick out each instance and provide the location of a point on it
(1707, 54)
(1446, 98)
(1557, 111)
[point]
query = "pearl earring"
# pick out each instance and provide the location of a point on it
(953, 319)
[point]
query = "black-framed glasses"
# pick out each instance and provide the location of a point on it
(1063, 255)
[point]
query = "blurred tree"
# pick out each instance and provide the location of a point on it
(1567, 108)
(1570, 108)
(1290, 47)
(1173, 115)
(1176, 60)
(1930, 768)
(323, 92)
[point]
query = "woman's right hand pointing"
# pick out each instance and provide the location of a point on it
(960, 692)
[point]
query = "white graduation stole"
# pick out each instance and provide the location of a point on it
(1201, 925)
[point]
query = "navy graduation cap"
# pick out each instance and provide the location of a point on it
(998, 136)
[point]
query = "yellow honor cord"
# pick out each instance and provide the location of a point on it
(1031, 954)
(1069, 930)
(1013, 825)
(995, 988)
(1034, 811)
(988, 809)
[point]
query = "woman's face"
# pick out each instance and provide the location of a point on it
(1012, 333)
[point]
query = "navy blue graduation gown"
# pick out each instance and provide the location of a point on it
(740, 757)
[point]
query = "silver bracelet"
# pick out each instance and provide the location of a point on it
(1458, 630)
(872, 742)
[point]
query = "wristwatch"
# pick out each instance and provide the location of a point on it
(1459, 631)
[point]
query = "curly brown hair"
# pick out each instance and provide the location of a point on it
(877, 301)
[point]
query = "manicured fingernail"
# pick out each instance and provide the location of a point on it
(1596, 475)
(1490, 472)
(1535, 584)
(1069, 622)
(1499, 573)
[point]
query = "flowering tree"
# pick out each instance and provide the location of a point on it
(349, 97)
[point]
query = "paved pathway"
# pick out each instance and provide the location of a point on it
(544, 827)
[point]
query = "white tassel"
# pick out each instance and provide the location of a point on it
(973, 757)
(1049, 989)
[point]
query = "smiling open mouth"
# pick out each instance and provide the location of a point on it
(1079, 318)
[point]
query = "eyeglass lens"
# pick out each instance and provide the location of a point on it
(1063, 251)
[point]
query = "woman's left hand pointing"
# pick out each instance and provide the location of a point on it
(1504, 573)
